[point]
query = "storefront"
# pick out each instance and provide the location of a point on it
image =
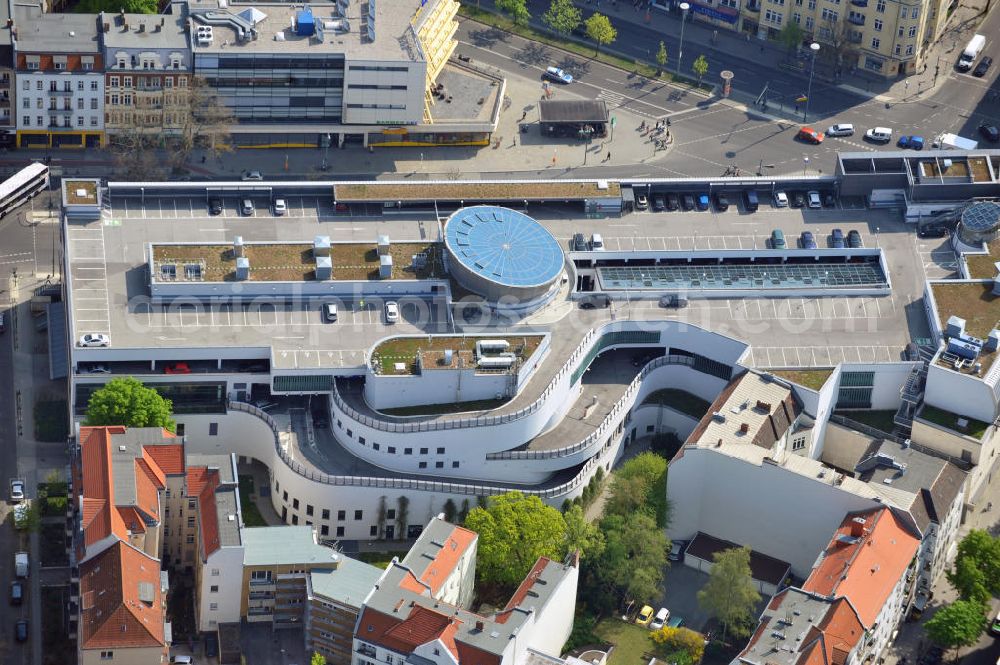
(44, 140)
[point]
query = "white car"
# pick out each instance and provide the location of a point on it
(280, 208)
(391, 311)
(660, 620)
(843, 129)
(95, 369)
(16, 491)
(879, 134)
(814, 200)
(780, 200)
(95, 339)
(252, 175)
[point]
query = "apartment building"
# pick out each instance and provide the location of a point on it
(147, 73)
(8, 101)
(60, 79)
(418, 610)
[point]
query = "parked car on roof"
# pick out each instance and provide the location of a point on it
(95, 339)
(854, 239)
(780, 200)
(177, 368)
(721, 202)
(807, 240)
(837, 239)
(814, 200)
(798, 200)
(703, 202)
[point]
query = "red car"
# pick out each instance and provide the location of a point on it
(810, 135)
(177, 368)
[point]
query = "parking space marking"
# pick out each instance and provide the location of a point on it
(819, 356)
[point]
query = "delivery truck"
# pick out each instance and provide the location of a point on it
(971, 52)
(955, 142)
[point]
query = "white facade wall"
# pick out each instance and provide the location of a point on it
(377, 92)
(550, 626)
(889, 380)
(773, 510)
(650, 419)
(223, 569)
(819, 408)
(434, 386)
(86, 99)
(963, 394)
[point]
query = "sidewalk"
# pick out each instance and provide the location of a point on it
(961, 26)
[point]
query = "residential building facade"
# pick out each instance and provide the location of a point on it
(60, 79)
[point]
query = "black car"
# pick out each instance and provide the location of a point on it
(721, 202)
(672, 202)
(687, 202)
(932, 231)
(659, 202)
(215, 206)
(990, 133)
(16, 592)
(854, 239)
(983, 65)
(798, 200)
(580, 243)
(595, 301)
(674, 301)
(21, 630)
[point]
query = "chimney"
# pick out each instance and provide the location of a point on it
(858, 527)
(479, 625)
(142, 27)
(763, 406)
(744, 428)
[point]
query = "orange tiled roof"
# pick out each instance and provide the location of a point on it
(421, 625)
(522, 590)
(864, 561)
(100, 520)
(112, 615)
(148, 481)
(208, 514)
(438, 570)
(170, 457)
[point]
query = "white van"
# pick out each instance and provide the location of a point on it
(879, 134)
(971, 52)
(596, 243)
(182, 660)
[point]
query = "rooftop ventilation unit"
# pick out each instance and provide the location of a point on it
(321, 246)
(385, 267)
(383, 245)
(204, 35)
(488, 346)
(242, 269)
(305, 23)
(502, 361)
(955, 326)
(992, 341)
(238, 246)
(449, 357)
(324, 268)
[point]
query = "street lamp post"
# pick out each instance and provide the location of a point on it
(680, 50)
(814, 47)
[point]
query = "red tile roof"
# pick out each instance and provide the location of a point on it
(864, 561)
(835, 635)
(100, 520)
(522, 590)
(112, 615)
(420, 626)
(208, 514)
(168, 457)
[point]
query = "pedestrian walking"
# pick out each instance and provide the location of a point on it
(524, 115)
(608, 158)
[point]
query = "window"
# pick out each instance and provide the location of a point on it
(215, 572)
(214, 588)
(213, 428)
(59, 65)
(26, 103)
(909, 50)
(79, 121)
(27, 120)
(375, 446)
(26, 85)
(913, 31)
(93, 85)
(192, 504)
(114, 81)
(326, 513)
(182, 82)
(107, 655)
(898, 49)
(899, 33)
(260, 575)
(309, 509)
(128, 81)
(340, 531)
(440, 451)
(772, 17)
(799, 443)
(32, 64)
(213, 606)
(915, 13)
(295, 504)
(454, 465)
(190, 522)
(190, 539)
(341, 515)
(295, 519)
(877, 25)
(357, 514)
(390, 514)
(79, 103)
(372, 531)
(361, 440)
(407, 451)
(423, 451)
(876, 42)
(38, 85)
(422, 465)
(797, 18)
(880, 6)
(350, 434)
(811, 5)
(829, 15)
(392, 450)
(168, 82)
(324, 530)
(284, 496)
(438, 465)
(810, 22)
(93, 104)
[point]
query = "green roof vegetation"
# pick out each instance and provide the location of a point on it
(981, 265)
(880, 420)
(680, 400)
(404, 350)
(813, 379)
(976, 428)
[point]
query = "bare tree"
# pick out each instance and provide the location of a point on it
(134, 150)
(838, 39)
(203, 121)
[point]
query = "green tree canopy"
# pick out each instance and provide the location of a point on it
(317, 659)
(516, 9)
(791, 35)
(599, 29)
(581, 535)
(976, 572)
(514, 530)
(700, 67)
(127, 402)
(114, 6)
(680, 645)
(633, 558)
(640, 485)
(957, 625)
(563, 16)
(661, 56)
(730, 594)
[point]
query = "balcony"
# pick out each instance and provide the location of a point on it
(261, 595)
(854, 38)
(260, 612)
(859, 3)
(856, 19)
(753, 7)
(61, 93)
(366, 650)
(4, 82)
(262, 584)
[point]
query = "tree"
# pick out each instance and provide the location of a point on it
(516, 9)
(114, 6)
(661, 57)
(317, 659)
(681, 645)
(514, 530)
(791, 36)
(581, 535)
(125, 401)
(450, 511)
(632, 560)
(599, 29)
(957, 625)
(563, 16)
(700, 67)
(841, 48)
(976, 572)
(730, 595)
(640, 485)
(202, 120)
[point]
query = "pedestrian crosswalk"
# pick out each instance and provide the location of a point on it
(615, 100)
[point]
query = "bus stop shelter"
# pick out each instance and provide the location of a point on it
(584, 119)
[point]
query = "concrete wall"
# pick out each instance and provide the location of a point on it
(352, 289)
(946, 441)
(367, 106)
(843, 447)
(766, 589)
(889, 380)
(773, 510)
(650, 419)
(225, 570)
(964, 394)
(551, 626)
(128, 656)
(434, 386)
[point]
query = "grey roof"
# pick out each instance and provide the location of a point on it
(225, 506)
(933, 482)
(38, 32)
(793, 614)
(394, 36)
(125, 448)
(5, 35)
(427, 546)
(224, 463)
(573, 110)
(348, 583)
(148, 31)
(285, 545)
(762, 567)
(56, 313)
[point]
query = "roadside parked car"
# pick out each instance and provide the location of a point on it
(660, 619)
(989, 132)
(702, 202)
(841, 129)
(677, 550)
(879, 134)
(645, 615)
(659, 202)
(673, 202)
(580, 243)
(330, 312)
(721, 202)
(798, 200)
(983, 66)
(252, 175)
(814, 200)
(215, 206)
(810, 135)
(687, 202)
(280, 207)
(16, 592)
(391, 311)
(641, 202)
(21, 630)
(914, 142)
(16, 490)
(932, 231)
(558, 75)
(595, 301)
(674, 301)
